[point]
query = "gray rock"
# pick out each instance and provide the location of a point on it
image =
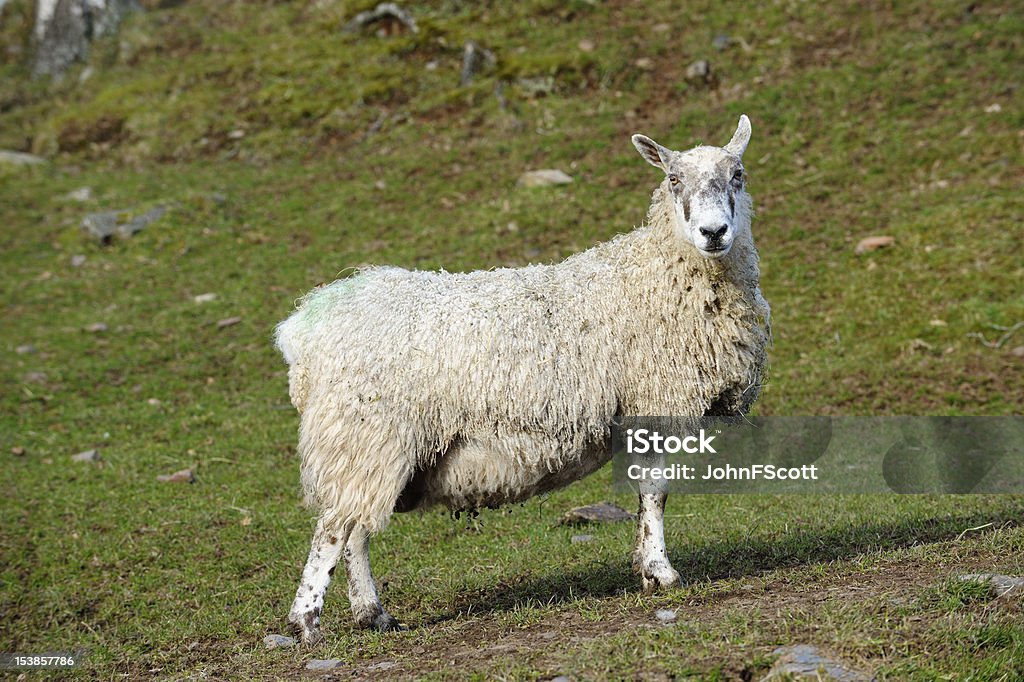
(86, 456)
(183, 476)
(581, 538)
(20, 159)
(80, 194)
(665, 615)
(699, 73)
(96, 327)
(387, 13)
(602, 512)
(324, 664)
(204, 298)
(561, 678)
(721, 42)
(278, 642)
(1002, 585)
(106, 224)
(77, 261)
(544, 178)
(228, 322)
(474, 60)
(63, 34)
(383, 665)
(806, 662)
(26, 349)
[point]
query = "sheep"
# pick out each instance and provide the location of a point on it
(477, 389)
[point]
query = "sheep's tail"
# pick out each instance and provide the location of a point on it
(290, 342)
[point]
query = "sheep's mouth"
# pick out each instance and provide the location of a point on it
(715, 251)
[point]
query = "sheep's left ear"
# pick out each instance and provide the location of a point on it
(738, 144)
(655, 154)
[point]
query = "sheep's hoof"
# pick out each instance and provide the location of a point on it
(660, 576)
(381, 620)
(307, 627)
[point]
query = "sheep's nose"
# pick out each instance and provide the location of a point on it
(714, 233)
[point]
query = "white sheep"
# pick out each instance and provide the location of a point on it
(478, 389)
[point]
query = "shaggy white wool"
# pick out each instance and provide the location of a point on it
(496, 385)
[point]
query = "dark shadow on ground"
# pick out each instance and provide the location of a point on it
(733, 559)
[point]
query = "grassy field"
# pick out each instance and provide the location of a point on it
(287, 150)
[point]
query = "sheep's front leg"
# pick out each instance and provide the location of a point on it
(650, 558)
(362, 591)
(309, 598)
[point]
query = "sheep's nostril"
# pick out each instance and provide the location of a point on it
(714, 233)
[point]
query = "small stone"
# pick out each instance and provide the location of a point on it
(35, 377)
(204, 298)
(874, 243)
(183, 476)
(81, 194)
(380, 185)
(383, 665)
(543, 178)
(581, 538)
(661, 28)
(154, 401)
(1018, 351)
(26, 349)
(699, 72)
(96, 327)
(805, 662)
(603, 512)
(20, 159)
(644, 63)
(721, 42)
(993, 108)
(18, 451)
(77, 261)
(278, 641)
(586, 45)
(86, 456)
(561, 678)
(938, 323)
(228, 322)
(665, 615)
(236, 134)
(324, 664)
(106, 224)
(1002, 585)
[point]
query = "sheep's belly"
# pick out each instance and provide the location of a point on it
(473, 474)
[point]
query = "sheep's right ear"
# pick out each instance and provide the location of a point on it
(655, 154)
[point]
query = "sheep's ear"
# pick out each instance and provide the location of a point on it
(738, 144)
(655, 154)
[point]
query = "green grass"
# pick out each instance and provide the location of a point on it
(356, 148)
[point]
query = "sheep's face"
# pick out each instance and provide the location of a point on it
(705, 185)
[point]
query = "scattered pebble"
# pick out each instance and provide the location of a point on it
(581, 538)
(228, 321)
(153, 401)
(993, 108)
(665, 615)
(661, 28)
(699, 72)
(278, 641)
(183, 476)
(26, 349)
(18, 451)
(874, 243)
(806, 662)
(938, 323)
(236, 134)
(35, 377)
(20, 159)
(96, 327)
(600, 512)
(561, 678)
(721, 42)
(1002, 585)
(80, 194)
(383, 665)
(86, 456)
(324, 664)
(586, 45)
(204, 298)
(644, 63)
(544, 177)
(77, 261)
(1018, 351)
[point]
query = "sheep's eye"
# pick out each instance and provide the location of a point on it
(738, 176)
(673, 179)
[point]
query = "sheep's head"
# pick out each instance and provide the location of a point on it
(705, 184)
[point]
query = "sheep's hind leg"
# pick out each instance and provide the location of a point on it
(309, 598)
(650, 558)
(362, 591)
